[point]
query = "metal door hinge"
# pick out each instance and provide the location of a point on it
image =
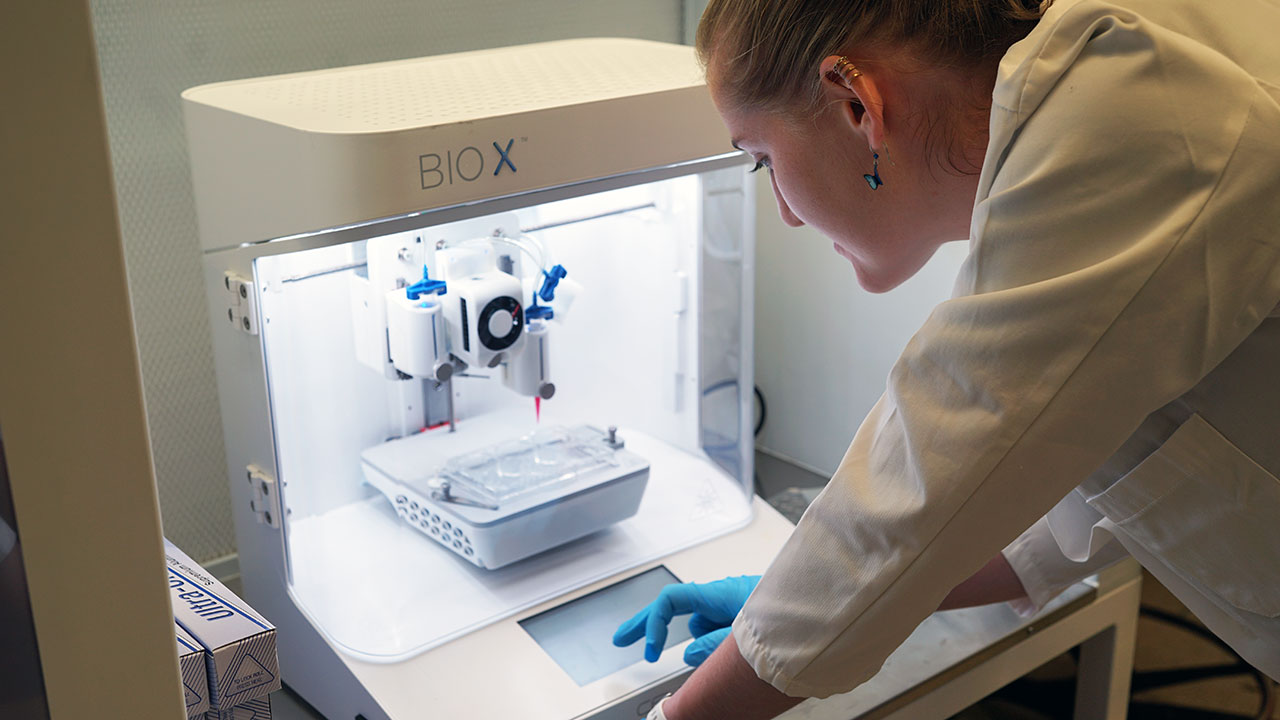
(242, 304)
(266, 496)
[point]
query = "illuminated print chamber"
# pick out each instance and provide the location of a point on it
(483, 342)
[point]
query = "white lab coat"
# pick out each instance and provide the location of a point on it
(1125, 241)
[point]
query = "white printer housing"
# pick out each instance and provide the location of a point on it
(320, 195)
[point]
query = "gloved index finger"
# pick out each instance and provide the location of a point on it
(668, 598)
(673, 600)
(632, 630)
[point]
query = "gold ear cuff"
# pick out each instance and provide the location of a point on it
(845, 70)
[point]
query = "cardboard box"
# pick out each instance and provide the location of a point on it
(259, 709)
(195, 673)
(240, 645)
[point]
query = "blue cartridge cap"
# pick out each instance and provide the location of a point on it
(538, 312)
(550, 280)
(426, 286)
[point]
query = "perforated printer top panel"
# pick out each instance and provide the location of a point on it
(456, 88)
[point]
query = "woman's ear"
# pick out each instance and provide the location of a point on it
(857, 97)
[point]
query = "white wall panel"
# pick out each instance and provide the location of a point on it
(151, 50)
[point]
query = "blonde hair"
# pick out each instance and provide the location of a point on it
(774, 46)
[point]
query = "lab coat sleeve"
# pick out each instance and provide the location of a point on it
(1045, 570)
(1125, 242)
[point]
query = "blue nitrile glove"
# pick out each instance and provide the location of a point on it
(713, 606)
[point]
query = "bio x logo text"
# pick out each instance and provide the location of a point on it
(466, 165)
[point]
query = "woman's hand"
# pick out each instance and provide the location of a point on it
(995, 582)
(713, 606)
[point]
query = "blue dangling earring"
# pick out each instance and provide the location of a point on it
(873, 178)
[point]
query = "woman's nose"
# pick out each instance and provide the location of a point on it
(784, 210)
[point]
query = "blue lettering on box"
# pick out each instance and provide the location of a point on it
(200, 602)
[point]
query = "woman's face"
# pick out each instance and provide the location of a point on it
(816, 167)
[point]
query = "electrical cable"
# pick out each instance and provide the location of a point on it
(526, 245)
(733, 383)
(764, 412)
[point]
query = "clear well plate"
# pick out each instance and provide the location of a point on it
(537, 462)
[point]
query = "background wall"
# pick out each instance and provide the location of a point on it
(149, 51)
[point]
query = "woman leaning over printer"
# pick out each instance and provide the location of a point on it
(1108, 360)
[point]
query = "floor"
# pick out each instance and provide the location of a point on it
(1163, 646)
(1169, 682)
